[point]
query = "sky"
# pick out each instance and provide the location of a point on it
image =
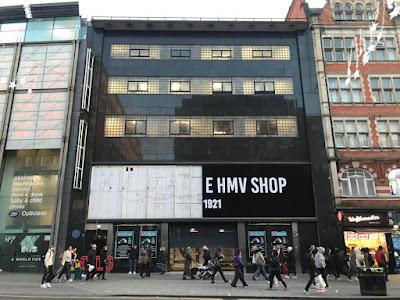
(179, 8)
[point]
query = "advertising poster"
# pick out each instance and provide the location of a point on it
(256, 238)
(257, 191)
(150, 237)
(124, 242)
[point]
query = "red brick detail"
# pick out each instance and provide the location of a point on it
(296, 10)
(358, 154)
(369, 203)
(365, 110)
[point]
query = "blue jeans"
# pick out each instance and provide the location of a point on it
(260, 269)
(132, 265)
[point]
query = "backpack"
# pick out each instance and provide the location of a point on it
(259, 259)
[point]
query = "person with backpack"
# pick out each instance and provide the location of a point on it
(381, 260)
(217, 261)
(275, 269)
(237, 263)
(48, 273)
(260, 264)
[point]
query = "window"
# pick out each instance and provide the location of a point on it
(222, 87)
(180, 53)
(338, 49)
(223, 127)
(359, 12)
(87, 80)
(338, 12)
(179, 127)
(385, 89)
(370, 13)
(351, 133)
(139, 52)
(357, 183)
(137, 86)
(340, 93)
(264, 87)
(267, 127)
(262, 53)
(348, 11)
(394, 182)
(385, 50)
(180, 86)
(80, 155)
(221, 54)
(389, 133)
(135, 127)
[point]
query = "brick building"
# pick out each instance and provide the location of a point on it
(361, 116)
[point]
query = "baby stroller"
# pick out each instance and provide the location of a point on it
(205, 271)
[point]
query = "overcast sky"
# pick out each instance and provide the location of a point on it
(180, 8)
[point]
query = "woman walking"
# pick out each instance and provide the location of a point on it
(237, 263)
(275, 270)
(103, 263)
(217, 261)
(48, 274)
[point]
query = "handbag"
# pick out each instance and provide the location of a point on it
(91, 268)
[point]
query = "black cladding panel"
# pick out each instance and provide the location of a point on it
(48, 10)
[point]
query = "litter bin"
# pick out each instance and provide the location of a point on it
(372, 282)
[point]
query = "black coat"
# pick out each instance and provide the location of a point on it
(92, 257)
(103, 258)
(162, 257)
(133, 253)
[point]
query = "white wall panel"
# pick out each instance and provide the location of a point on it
(145, 192)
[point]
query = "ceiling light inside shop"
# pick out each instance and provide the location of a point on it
(395, 227)
(221, 230)
(193, 230)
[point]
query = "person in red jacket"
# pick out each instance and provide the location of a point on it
(380, 257)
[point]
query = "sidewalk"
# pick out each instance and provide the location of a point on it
(171, 285)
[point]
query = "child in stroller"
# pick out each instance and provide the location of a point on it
(204, 272)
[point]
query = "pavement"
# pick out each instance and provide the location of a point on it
(171, 286)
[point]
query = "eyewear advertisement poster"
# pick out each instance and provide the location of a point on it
(123, 241)
(280, 237)
(149, 237)
(256, 238)
(396, 249)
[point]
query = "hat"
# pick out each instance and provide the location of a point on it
(94, 246)
(205, 248)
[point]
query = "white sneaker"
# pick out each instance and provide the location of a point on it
(306, 292)
(134, 273)
(69, 280)
(59, 280)
(286, 277)
(294, 277)
(129, 273)
(43, 286)
(48, 285)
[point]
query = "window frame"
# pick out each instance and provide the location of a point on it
(334, 50)
(263, 53)
(380, 90)
(223, 84)
(220, 53)
(346, 134)
(264, 91)
(172, 82)
(141, 52)
(389, 132)
(80, 155)
(179, 127)
(385, 48)
(180, 51)
(338, 12)
(138, 83)
(355, 176)
(223, 134)
(274, 121)
(339, 90)
(126, 133)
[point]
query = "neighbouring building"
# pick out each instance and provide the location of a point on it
(203, 133)
(40, 47)
(360, 104)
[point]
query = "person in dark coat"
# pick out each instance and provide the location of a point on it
(310, 265)
(162, 260)
(336, 262)
(238, 264)
(133, 256)
(103, 262)
(217, 261)
(290, 259)
(275, 269)
(91, 262)
(187, 262)
(144, 261)
(206, 255)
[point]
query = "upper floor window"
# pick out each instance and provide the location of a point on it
(221, 53)
(338, 48)
(179, 127)
(180, 53)
(389, 133)
(223, 127)
(139, 52)
(348, 11)
(267, 127)
(338, 11)
(370, 12)
(135, 127)
(262, 53)
(359, 12)
(339, 92)
(180, 86)
(385, 49)
(357, 183)
(394, 182)
(267, 87)
(222, 87)
(351, 133)
(138, 86)
(385, 89)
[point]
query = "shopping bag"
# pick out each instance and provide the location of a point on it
(285, 268)
(320, 282)
(90, 268)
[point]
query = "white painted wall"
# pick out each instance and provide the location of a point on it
(145, 192)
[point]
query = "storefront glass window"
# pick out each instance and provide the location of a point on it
(370, 240)
(394, 182)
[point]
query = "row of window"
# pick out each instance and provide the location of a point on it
(204, 126)
(203, 52)
(356, 13)
(339, 49)
(383, 90)
(356, 134)
(200, 86)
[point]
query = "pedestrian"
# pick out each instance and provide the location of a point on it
(260, 263)
(238, 264)
(103, 263)
(369, 261)
(320, 264)
(162, 260)
(91, 263)
(187, 263)
(290, 259)
(352, 264)
(328, 261)
(309, 259)
(77, 264)
(66, 262)
(133, 256)
(144, 261)
(48, 273)
(217, 261)
(335, 263)
(275, 269)
(206, 256)
(381, 260)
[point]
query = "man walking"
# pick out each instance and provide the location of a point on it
(237, 263)
(91, 263)
(48, 274)
(260, 264)
(133, 259)
(217, 261)
(380, 257)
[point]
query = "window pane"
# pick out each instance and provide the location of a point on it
(349, 43)
(382, 126)
(374, 83)
(185, 86)
(133, 86)
(338, 126)
(327, 42)
(354, 187)
(376, 96)
(386, 83)
(217, 86)
(332, 83)
(142, 86)
(334, 95)
(339, 55)
(387, 96)
(268, 127)
(339, 140)
(345, 96)
(351, 140)
(185, 127)
(227, 87)
(328, 55)
(380, 54)
(259, 86)
(269, 86)
(130, 127)
(357, 96)
(363, 140)
(383, 141)
(175, 86)
(345, 188)
(223, 127)
(389, 42)
(362, 126)
(140, 127)
(391, 54)
(338, 43)
(174, 127)
(394, 126)
(396, 83)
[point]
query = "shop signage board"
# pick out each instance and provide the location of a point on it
(362, 219)
(123, 244)
(273, 190)
(149, 236)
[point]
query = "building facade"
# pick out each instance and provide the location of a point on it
(203, 133)
(356, 48)
(39, 53)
